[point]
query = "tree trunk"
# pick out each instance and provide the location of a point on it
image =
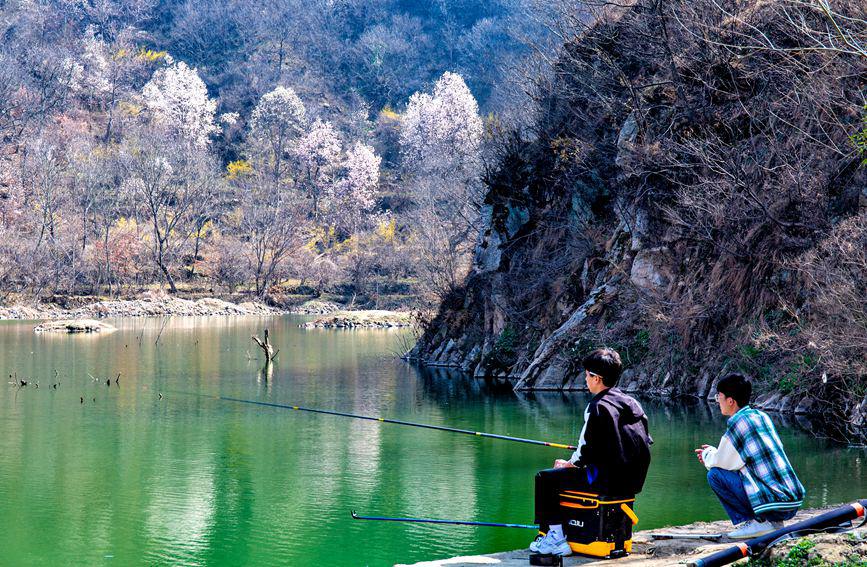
(266, 346)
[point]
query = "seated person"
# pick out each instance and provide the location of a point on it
(749, 472)
(612, 457)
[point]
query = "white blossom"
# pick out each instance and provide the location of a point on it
(96, 66)
(280, 115)
(178, 99)
(357, 189)
(229, 118)
(441, 133)
(350, 200)
(319, 152)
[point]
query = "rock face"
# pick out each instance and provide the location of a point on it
(74, 326)
(600, 230)
(650, 269)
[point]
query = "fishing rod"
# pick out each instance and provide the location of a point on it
(832, 519)
(451, 522)
(386, 420)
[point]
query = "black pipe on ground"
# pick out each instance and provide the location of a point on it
(756, 545)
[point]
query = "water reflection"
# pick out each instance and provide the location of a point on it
(192, 480)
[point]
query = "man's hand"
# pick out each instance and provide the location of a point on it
(698, 453)
(561, 464)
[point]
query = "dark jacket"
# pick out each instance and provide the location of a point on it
(615, 441)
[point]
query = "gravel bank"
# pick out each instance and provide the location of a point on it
(145, 307)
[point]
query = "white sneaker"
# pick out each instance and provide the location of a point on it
(551, 545)
(534, 545)
(751, 529)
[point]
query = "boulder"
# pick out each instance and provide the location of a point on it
(650, 269)
(553, 377)
(703, 385)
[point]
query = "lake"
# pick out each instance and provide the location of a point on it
(127, 478)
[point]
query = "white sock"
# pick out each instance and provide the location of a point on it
(556, 531)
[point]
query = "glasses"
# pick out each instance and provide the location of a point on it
(592, 374)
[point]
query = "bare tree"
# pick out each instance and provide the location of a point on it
(173, 188)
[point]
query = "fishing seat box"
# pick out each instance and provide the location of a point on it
(598, 525)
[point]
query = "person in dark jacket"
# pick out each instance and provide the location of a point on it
(612, 457)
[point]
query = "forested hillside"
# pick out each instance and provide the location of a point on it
(268, 146)
(693, 194)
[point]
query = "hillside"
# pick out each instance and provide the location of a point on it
(693, 195)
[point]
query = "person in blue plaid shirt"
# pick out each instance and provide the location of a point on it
(749, 471)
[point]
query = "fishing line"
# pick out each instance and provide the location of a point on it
(385, 420)
(450, 522)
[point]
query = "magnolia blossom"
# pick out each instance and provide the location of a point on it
(178, 99)
(441, 133)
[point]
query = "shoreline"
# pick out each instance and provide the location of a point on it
(328, 314)
(649, 552)
(158, 306)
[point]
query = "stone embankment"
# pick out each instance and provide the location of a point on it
(821, 549)
(144, 307)
(362, 319)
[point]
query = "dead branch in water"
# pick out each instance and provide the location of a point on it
(266, 346)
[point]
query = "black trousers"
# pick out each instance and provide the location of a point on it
(549, 484)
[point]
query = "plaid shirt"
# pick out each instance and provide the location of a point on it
(768, 476)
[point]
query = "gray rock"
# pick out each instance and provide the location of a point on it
(786, 404)
(471, 359)
(703, 385)
(805, 407)
(479, 372)
(553, 376)
(488, 253)
(628, 131)
(640, 228)
(650, 269)
(516, 218)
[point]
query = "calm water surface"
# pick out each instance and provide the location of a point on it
(127, 478)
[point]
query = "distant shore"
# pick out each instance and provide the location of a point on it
(329, 314)
(158, 306)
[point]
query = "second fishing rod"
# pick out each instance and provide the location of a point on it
(384, 420)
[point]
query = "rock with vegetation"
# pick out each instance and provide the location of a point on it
(362, 319)
(694, 197)
(316, 307)
(74, 326)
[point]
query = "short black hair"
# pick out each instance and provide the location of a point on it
(736, 386)
(604, 362)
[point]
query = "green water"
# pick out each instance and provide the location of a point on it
(131, 479)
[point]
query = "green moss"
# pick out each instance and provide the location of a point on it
(503, 355)
(749, 351)
(801, 555)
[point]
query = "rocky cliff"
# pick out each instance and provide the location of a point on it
(690, 195)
